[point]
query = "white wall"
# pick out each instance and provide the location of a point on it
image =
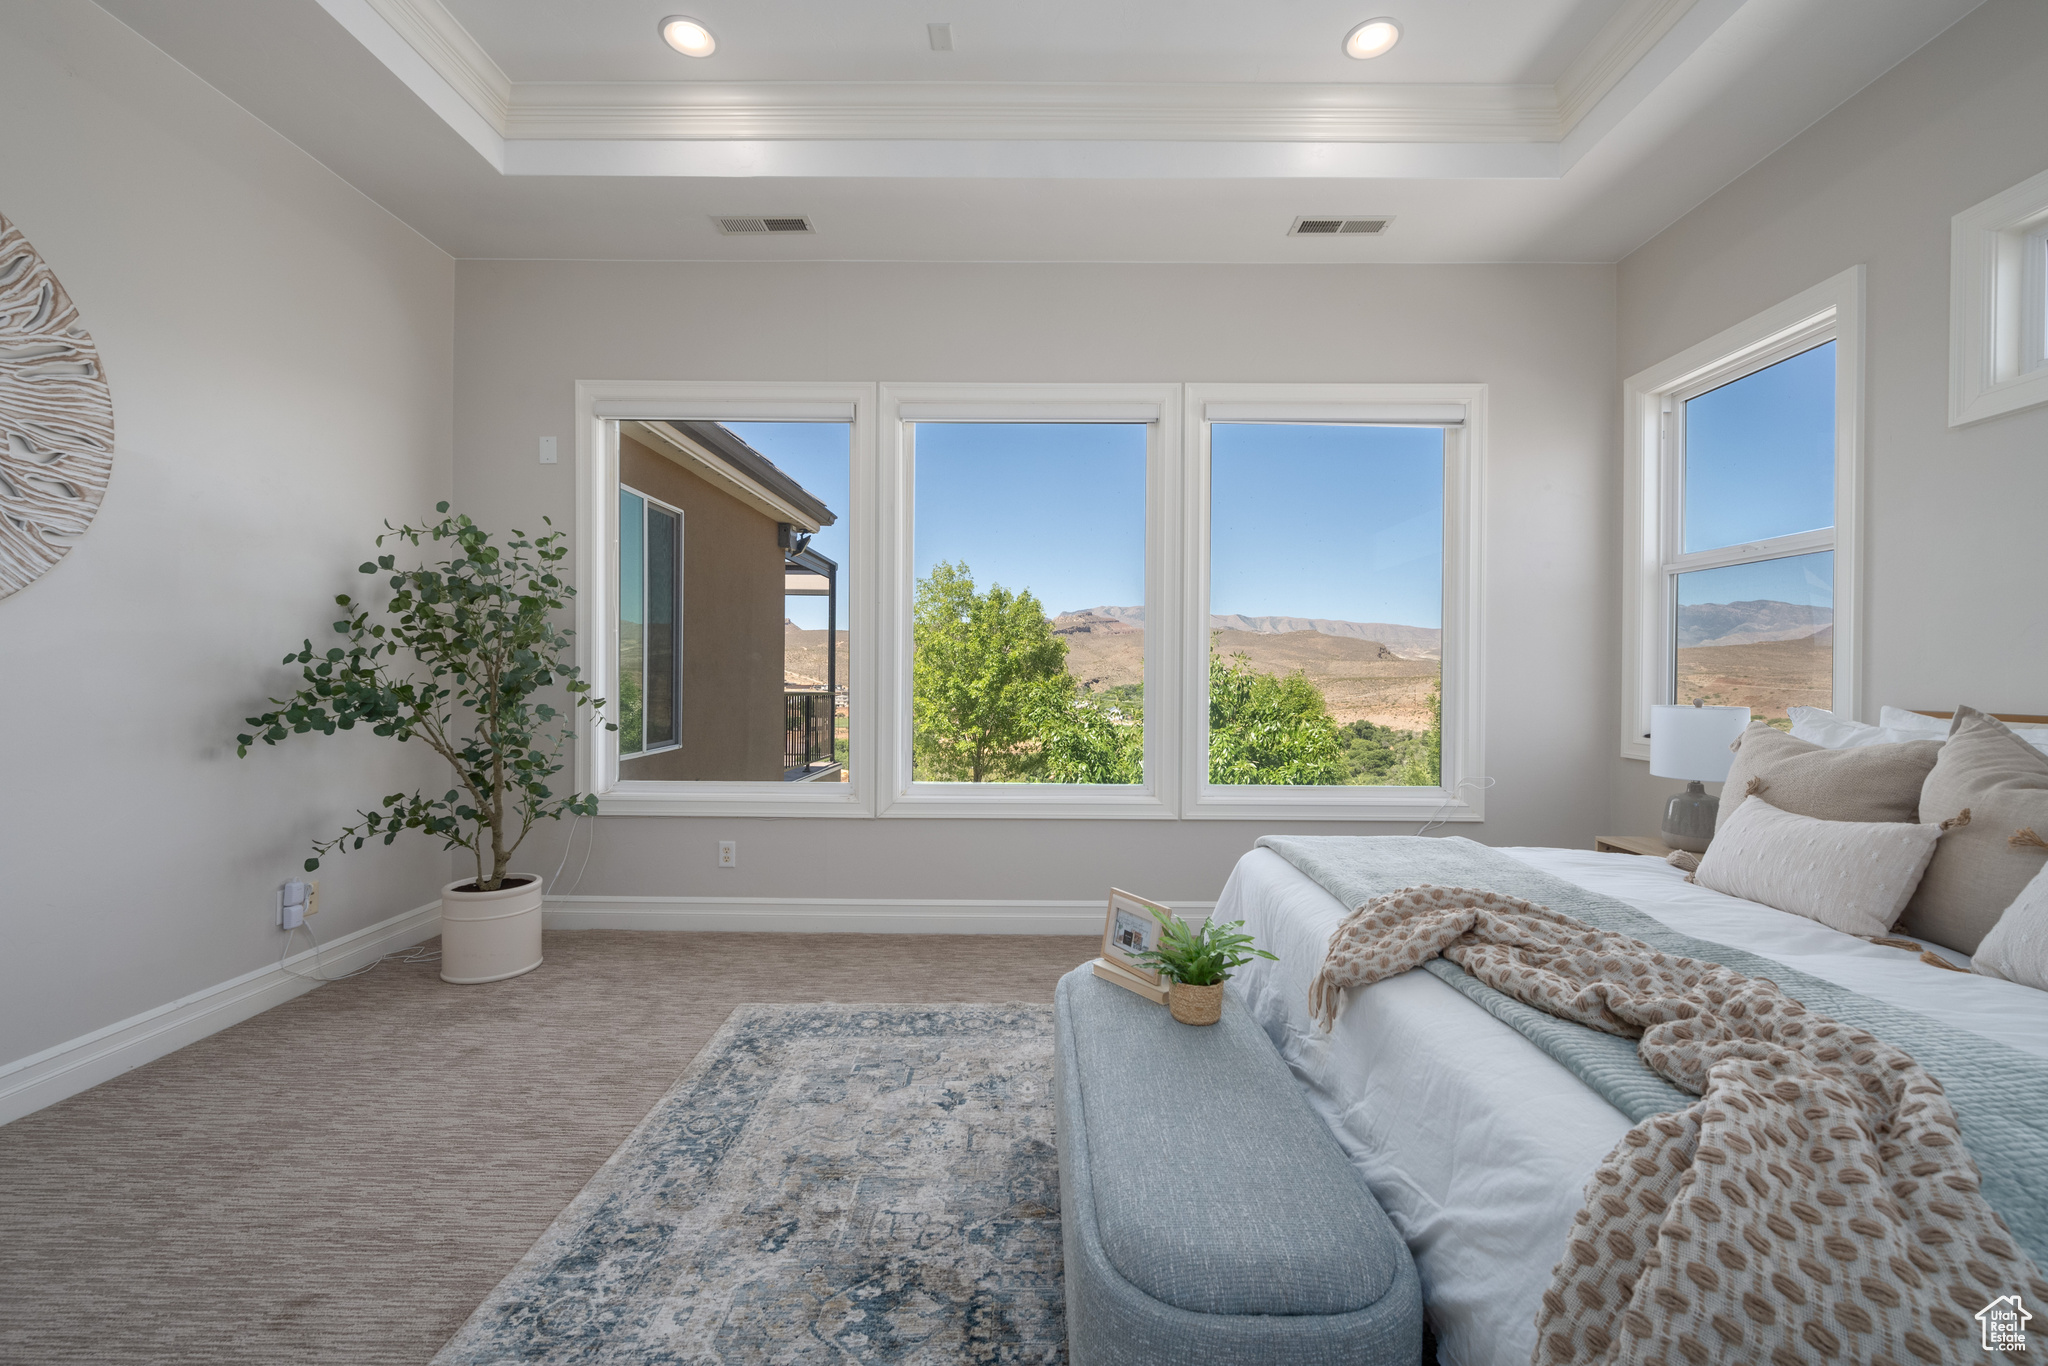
(1541, 336)
(1956, 566)
(280, 352)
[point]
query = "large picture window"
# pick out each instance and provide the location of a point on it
(1028, 607)
(1742, 511)
(1333, 548)
(1152, 601)
(1325, 633)
(718, 612)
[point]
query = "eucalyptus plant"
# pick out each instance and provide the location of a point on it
(1200, 957)
(460, 658)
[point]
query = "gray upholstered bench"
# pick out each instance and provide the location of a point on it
(1207, 1214)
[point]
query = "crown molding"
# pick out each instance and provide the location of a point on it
(597, 112)
(1098, 112)
(1624, 40)
(459, 59)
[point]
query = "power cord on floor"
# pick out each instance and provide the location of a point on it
(416, 954)
(1437, 818)
(568, 846)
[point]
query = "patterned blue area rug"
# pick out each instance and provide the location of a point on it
(826, 1183)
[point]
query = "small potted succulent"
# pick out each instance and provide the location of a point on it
(1197, 962)
(464, 657)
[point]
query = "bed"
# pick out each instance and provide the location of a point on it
(1428, 1093)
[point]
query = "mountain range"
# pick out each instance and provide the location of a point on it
(1406, 642)
(1749, 623)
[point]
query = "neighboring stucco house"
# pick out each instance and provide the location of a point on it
(713, 538)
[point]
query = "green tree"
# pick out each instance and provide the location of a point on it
(460, 658)
(1264, 729)
(988, 678)
(1423, 766)
(1095, 739)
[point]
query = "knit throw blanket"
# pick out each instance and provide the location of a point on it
(1816, 1204)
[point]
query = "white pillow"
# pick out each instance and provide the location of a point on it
(1913, 726)
(1895, 725)
(1830, 731)
(1852, 876)
(2016, 950)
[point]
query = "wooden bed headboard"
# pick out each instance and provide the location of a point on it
(2008, 717)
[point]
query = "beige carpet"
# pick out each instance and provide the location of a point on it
(343, 1178)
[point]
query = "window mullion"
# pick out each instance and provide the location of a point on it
(1778, 547)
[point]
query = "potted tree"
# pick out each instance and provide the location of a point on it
(461, 658)
(1196, 964)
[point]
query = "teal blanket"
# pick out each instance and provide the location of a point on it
(2000, 1095)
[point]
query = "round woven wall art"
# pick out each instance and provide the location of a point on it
(56, 417)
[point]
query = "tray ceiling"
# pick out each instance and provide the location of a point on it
(1495, 131)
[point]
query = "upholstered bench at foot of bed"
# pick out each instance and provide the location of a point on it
(1206, 1213)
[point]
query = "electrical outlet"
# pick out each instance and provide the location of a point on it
(547, 450)
(313, 898)
(728, 853)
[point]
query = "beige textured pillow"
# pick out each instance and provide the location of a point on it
(2002, 782)
(1851, 876)
(2016, 950)
(1868, 783)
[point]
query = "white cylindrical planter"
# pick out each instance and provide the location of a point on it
(489, 936)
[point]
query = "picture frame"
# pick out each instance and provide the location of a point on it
(1130, 928)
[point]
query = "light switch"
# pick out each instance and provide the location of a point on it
(547, 450)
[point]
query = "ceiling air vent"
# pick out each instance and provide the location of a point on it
(739, 227)
(1338, 227)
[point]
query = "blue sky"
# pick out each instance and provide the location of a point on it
(1760, 454)
(817, 455)
(1058, 508)
(1312, 521)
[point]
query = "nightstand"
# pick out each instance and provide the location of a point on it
(1631, 844)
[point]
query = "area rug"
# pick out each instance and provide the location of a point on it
(826, 1183)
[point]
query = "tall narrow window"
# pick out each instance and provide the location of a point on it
(1752, 579)
(1028, 605)
(1741, 530)
(650, 567)
(1326, 595)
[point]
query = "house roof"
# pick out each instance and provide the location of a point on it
(750, 463)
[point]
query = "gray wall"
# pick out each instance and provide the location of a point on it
(1542, 336)
(279, 350)
(1956, 561)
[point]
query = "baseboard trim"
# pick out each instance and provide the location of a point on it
(831, 915)
(55, 1074)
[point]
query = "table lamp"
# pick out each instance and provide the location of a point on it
(1693, 743)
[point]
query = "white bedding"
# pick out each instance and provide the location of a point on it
(1430, 1095)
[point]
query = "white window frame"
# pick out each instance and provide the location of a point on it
(599, 403)
(1461, 410)
(651, 501)
(1653, 488)
(1998, 271)
(902, 404)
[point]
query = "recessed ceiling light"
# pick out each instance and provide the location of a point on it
(687, 36)
(1371, 38)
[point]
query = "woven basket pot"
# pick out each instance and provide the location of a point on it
(1195, 1005)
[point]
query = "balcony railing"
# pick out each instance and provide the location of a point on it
(808, 726)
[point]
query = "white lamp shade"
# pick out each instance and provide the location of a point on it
(1693, 742)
